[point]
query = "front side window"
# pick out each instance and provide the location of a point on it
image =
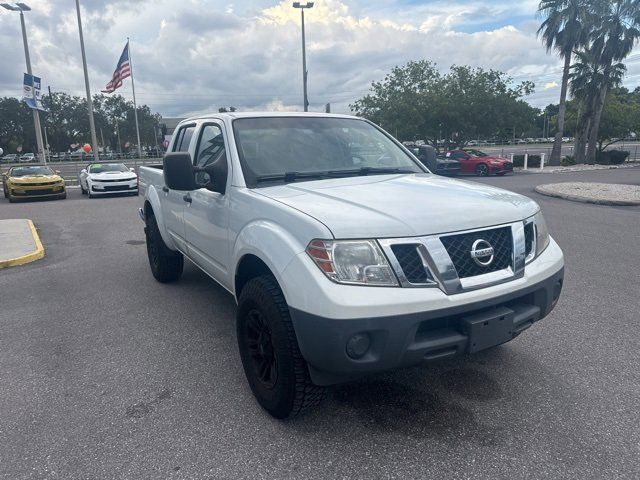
(286, 149)
(211, 150)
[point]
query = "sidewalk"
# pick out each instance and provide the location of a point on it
(19, 243)
(575, 168)
(599, 193)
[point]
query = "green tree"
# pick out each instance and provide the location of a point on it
(613, 38)
(620, 116)
(16, 126)
(565, 27)
(418, 102)
(587, 79)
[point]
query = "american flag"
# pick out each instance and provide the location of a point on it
(122, 71)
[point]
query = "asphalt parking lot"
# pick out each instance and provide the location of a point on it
(106, 373)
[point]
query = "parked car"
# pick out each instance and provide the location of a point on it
(437, 164)
(9, 158)
(33, 181)
(478, 163)
(28, 157)
(342, 263)
(107, 178)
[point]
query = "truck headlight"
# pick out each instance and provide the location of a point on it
(542, 234)
(353, 262)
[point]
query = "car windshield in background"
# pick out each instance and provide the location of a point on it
(288, 149)
(108, 167)
(31, 171)
(476, 153)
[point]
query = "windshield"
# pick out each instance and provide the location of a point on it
(30, 171)
(476, 153)
(308, 148)
(108, 167)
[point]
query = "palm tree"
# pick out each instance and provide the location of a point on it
(615, 35)
(564, 29)
(586, 81)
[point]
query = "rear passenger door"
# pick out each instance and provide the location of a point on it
(206, 216)
(173, 200)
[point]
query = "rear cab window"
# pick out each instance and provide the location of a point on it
(183, 138)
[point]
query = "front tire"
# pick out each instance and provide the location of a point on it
(274, 367)
(482, 170)
(166, 265)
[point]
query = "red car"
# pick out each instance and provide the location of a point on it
(480, 163)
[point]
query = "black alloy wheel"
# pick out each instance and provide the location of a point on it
(261, 351)
(273, 364)
(482, 170)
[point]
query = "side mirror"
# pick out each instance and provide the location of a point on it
(178, 171)
(428, 156)
(217, 172)
(131, 169)
(83, 171)
(57, 172)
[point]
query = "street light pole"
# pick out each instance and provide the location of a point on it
(21, 7)
(92, 125)
(304, 53)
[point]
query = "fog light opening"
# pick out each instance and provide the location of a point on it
(358, 345)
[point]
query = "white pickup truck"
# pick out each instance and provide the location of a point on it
(344, 254)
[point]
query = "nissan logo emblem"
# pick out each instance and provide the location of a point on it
(482, 252)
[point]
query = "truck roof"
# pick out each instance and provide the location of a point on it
(234, 115)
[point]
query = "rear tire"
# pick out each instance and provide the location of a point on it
(166, 265)
(274, 367)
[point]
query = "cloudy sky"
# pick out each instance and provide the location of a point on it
(192, 56)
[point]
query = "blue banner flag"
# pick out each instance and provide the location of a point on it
(31, 92)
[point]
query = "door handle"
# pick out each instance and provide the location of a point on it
(165, 189)
(187, 198)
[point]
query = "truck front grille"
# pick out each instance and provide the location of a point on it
(459, 249)
(410, 262)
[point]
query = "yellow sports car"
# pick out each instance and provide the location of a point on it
(32, 181)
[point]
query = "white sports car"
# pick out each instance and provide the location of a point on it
(108, 178)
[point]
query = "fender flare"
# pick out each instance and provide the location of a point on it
(153, 199)
(274, 245)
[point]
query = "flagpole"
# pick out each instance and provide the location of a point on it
(135, 106)
(92, 125)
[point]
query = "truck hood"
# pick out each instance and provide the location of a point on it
(401, 205)
(35, 179)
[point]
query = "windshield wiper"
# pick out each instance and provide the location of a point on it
(369, 171)
(290, 176)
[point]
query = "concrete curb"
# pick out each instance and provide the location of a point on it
(574, 169)
(550, 192)
(37, 254)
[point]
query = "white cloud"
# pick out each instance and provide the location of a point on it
(550, 85)
(195, 55)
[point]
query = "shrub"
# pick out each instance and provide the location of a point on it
(534, 161)
(568, 160)
(611, 157)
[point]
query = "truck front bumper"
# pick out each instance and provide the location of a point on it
(339, 350)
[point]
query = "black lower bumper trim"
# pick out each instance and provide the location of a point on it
(405, 340)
